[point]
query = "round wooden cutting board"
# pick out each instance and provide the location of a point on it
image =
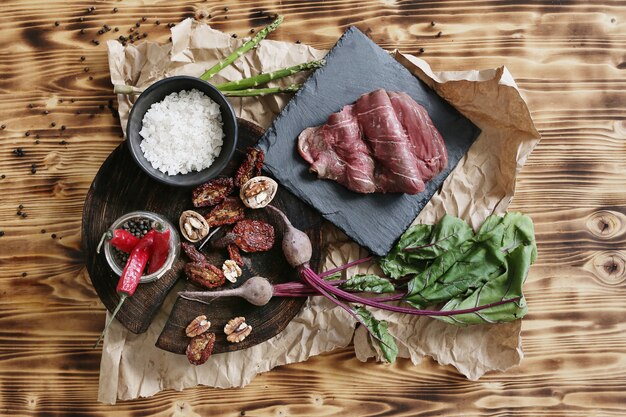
(120, 187)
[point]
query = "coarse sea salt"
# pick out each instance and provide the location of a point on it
(182, 133)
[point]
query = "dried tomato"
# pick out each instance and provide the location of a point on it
(254, 235)
(234, 254)
(200, 348)
(212, 192)
(205, 275)
(230, 211)
(193, 253)
(251, 166)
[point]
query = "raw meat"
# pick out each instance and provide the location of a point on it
(385, 142)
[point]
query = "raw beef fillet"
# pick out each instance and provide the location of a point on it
(385, 142)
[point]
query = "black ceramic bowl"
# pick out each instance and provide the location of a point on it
(157, 92)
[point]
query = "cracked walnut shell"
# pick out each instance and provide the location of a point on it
(258, 192)
(193, 226)
(237, 329)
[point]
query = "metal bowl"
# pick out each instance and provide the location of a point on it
(157, 92)
(153, 217)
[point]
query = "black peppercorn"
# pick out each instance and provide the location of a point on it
(115, 10)
(43, 230)
(27, 133)
(3, 127)
(53, 235)
(438, 35)
(37, 136)
(24, 215)
(158, 22)
(30, 106)
(63, 142)
(63, 127)
(145, 35)
(1, 233)
(19, 213)
(123, 43)
(33, 170)
(132, 29)
(77, 111)
(57, 23)
(116, 29)
(90, 78)
(86, 69)
(24, 274)
(137, 24)
(432, 23)
(46, 112)
(298, 42)
(37, 142)
(100, 32)
(234, 35)
(3, 176)
(53, 124)
(144, 18)
(422, 50)
(96, 42)
(21, 206)
(225, 9)
(82, 58)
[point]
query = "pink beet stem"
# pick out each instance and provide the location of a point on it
(346, 266)
(312, 276)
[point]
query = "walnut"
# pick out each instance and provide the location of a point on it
(237, 329)
(231, 270)
(193, 226)
(258, 192)
(197, 326)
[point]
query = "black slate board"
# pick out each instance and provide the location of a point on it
(355, 66)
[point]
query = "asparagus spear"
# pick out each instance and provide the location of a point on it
(252, 92)
(242, 49)
(266, 77)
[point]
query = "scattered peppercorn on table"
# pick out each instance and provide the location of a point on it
(58, 123)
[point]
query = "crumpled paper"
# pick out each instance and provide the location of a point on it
(483, 183)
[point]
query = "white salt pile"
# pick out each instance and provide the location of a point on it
(182, 133)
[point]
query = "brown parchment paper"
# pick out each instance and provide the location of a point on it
(483, 183)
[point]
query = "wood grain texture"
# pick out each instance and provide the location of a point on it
(568, 58)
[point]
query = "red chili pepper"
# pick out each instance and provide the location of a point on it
(120, 239)
(129, 280)
(137, 261)
(161, 248)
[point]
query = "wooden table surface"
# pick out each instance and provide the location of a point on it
(569, 60)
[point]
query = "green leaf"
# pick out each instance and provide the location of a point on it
(455, 273)
(448, 234)
(461, 271)
(368, 283)
(397, 263)
(333, 277)
(386, 342)
(507, 285)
